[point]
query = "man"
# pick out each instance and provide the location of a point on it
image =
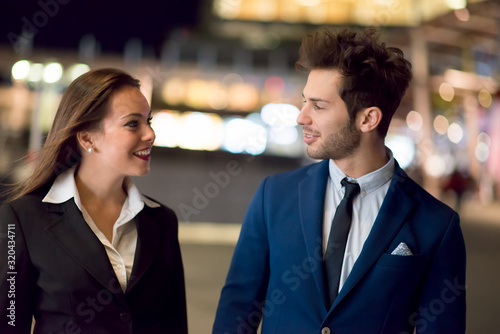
(349, 244)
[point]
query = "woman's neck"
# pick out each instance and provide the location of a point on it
(95, 186)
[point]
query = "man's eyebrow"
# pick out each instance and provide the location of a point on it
(316, 99)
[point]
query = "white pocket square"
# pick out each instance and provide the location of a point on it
(402, 250)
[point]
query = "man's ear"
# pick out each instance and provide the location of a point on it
(369, 119)
(85, 140)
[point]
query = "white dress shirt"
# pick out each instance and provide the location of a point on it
(366, 206)
(121, 250)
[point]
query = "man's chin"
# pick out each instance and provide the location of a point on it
(314, 154)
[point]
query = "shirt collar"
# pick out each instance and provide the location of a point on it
(64, 188)
(368, 182)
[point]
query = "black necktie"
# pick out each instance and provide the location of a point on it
(334, 254)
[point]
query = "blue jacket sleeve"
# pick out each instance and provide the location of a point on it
(239, 309)
(442, 302)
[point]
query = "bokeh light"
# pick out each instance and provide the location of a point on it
(435, 165)
(197, 93)
(484, 98)
(36, 72)
(482, 151)
(74, 71)
(455, 133)
(21, 70)
(200, 131)
(414, 120)
(173, 91)
(52, 72)
(446, 91)
(228, 9)
(308, 3)
(243, 96)
(280, 114)
(242, 135)
(167, 128)
(282, 135)
(456, 4)
(441, 124)
(232, 78)
(218, 98)
(274, 85)
(402, 147)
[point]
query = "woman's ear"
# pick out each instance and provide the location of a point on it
(370, 118)
(85, 140)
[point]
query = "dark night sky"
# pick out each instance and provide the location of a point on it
(61, 23)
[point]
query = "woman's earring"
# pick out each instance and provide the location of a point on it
(90, 150)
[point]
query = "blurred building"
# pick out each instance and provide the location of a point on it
(225, 95)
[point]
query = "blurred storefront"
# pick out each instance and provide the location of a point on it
(227, 89)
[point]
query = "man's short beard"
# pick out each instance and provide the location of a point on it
(338, 145)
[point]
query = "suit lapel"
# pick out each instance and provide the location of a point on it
(311, 203)
(148, 241)
(396, 206)
(74, 236)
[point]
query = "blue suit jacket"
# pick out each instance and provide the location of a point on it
(277, 272)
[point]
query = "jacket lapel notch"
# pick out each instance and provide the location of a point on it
(50, 207)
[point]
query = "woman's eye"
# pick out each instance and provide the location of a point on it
(150, 120)
(132, 124)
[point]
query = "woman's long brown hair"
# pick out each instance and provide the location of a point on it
(83, 106)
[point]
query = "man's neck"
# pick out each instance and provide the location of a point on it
(363, 162)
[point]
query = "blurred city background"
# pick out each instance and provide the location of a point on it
(220, 77)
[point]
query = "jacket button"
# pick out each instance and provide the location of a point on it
(125, 317)
(325, 330)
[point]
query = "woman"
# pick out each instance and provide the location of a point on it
(85, 252)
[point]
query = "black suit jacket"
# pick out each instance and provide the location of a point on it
(54, 267)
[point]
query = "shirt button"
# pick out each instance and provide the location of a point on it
(125, 317)
(325, 330)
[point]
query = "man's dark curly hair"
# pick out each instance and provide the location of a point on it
(373, 74)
